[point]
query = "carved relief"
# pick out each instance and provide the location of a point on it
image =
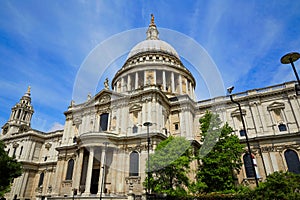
(15, 145)
(138, 148)
(105, 99)
(48, 145)
(133, 180)
(77, 121)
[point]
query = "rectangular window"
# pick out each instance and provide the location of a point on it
(176, 126)
(103, 122)
(242, 133)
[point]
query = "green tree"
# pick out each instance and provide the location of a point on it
(169, 166)
(9, 169)
(279, 185)
(220, 156)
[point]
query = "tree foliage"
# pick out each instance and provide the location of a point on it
(220, 156)
(9, 169)
(169, 166)
(279, 185)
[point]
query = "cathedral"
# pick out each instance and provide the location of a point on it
(102, 150)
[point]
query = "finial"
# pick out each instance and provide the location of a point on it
(72, 103)
(28, 89)
(89, 96)
(152, 20)
(27, 94)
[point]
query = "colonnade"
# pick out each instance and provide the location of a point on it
(20, 114)
(87, 163)
(169, 81)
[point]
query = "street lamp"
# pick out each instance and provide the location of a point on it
(291, 58)
(148, 161)
(103, 171)
(229, 90)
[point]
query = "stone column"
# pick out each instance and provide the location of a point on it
(113, 172)
(78, 170)
(136, 81)
(149, 111)
(145, 77)
(11, 115)
(120, 173)
(180, 83)
(172, 82)
(89, 173)
(101, 182)
(129, 82)
(186, 86)
(122, 85)
(164, 80)
(21, 115)
(154, 77)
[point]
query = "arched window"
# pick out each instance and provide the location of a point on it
(41, 180)
(103, 121)
(292, 161)
(248, 166)
(134, 164)
(70, 169)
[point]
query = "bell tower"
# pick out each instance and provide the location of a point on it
(20, 117)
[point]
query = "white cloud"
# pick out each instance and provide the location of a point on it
(56, 126)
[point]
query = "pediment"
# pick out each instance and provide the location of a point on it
(103, 97)
(135, 107)
(236, 113)
(276, 105)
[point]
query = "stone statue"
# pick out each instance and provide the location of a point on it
(106, 84)
(152, 19)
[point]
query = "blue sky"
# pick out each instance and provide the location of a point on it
(44, 43)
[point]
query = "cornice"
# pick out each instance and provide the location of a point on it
(272, 137)
(258, 95)
(34, 135)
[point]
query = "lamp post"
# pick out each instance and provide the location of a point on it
(103, 170)
(291, 58)
(229, 90)
(148, 161)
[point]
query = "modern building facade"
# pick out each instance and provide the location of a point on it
(102, 150)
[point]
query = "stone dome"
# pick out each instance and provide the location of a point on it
(153, 46)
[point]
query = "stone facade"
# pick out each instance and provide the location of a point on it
(102, 149)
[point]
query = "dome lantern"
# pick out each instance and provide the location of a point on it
(152, 32)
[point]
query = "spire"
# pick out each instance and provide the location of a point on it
(21, 113)
(152, 32)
